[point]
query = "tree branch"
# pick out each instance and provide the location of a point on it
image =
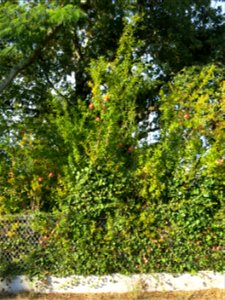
(53, 87)
(77, 46)
(28, 61)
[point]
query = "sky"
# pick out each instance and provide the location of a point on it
(216, 3)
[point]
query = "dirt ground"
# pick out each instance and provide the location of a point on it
(212, 294)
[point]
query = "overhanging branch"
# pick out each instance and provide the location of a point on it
(28, 61)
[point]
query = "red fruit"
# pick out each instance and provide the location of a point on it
(130, 149)
(40, 179)
(22, 132)
(51, 174)
(106, 98)
(220, 161)
(91, 106)
(200, 128)
(187, 116)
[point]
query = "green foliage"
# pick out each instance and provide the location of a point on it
(101, 138)
(181, 33)
(189, 156)
(30, 169)
(76, 148)
(163, 212)
(24, 27)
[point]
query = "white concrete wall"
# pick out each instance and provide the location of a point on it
(116, 283)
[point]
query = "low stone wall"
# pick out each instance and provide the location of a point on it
(116, 283)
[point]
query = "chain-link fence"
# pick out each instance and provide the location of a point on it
(17, 238)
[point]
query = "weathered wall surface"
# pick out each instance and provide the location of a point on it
(116, 283)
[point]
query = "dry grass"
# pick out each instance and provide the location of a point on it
(212, 294)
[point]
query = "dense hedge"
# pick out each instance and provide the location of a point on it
(186, 236)
(122, 203)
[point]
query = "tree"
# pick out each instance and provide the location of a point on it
(47, 48)
(188, 159)
(175, 34)
(80, 146)
(181, 33)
